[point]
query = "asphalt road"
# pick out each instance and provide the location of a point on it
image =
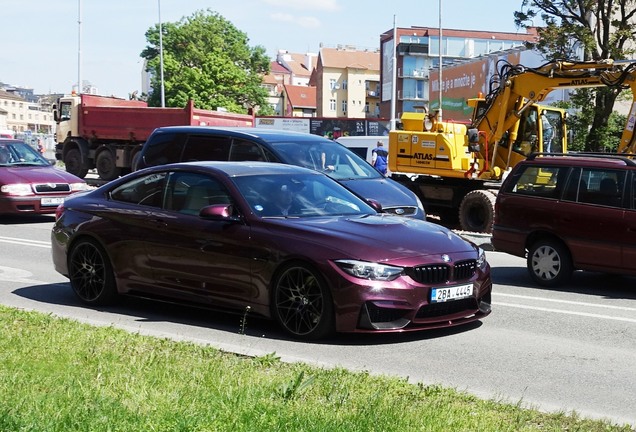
(558, 350)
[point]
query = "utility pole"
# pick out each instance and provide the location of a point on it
(79, 47)
(163, 90)
(439, 113)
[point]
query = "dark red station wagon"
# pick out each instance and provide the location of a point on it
(569, 212)
(29, 183)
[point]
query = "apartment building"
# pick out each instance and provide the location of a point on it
(417, 53)
(347, 82)
(275, 83)
(20, 116)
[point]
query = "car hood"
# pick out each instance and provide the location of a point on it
(387, 192)
(36, 174)
(374, 238)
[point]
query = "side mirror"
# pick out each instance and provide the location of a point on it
(219, 212)
(376, 205)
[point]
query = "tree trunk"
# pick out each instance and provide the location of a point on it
(604, 105)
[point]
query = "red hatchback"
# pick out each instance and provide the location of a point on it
(29, 183)
(569, 212)
(281, 241)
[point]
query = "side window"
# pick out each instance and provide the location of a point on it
(206, 148)
(245, 151)
(188, 192)
(65, 111)
(146, 190)
(162, 149)
(539, 181)
(604, 187)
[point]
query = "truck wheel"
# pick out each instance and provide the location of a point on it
(106, 167)
(73, 163)
(135, 160)
(477, 211)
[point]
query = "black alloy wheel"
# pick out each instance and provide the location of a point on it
(302, 303)
(91, 274)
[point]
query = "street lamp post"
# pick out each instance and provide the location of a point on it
(439, 113)
(79, 47)
(163, 90)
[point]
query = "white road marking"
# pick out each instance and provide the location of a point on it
(26, 242)
(570, 302)
(566, 312)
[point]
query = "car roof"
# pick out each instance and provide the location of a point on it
(271, 135)
(600, 160)
(239, 169)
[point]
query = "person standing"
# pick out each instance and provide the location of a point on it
(379, 158)
(41, 147)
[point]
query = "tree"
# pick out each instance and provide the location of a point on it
(208, 60)
(600, 30)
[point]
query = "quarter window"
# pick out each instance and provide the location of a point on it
(146, 190)
(539, 181)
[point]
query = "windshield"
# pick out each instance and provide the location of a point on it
(299, 195)
(19, 153)
(330, 157)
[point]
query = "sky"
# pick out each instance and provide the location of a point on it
(44, 44)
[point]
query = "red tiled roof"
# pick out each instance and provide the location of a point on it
(301, 96)
(344, 58)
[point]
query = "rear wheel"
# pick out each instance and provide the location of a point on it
(301, 303)
(549, 263)
(91, 274)
(73, 163)
(477, 211)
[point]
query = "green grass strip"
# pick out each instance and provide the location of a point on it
(61, 375)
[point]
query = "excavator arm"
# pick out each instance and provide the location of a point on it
(516, 88)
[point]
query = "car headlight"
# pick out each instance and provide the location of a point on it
(76, 187)
(481, 259)
(20, 189)
(369, 270)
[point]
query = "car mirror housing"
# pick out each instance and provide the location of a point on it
(376, 205)
(224, 212)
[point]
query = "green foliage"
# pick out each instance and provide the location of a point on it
(208, 60)
(586, 30)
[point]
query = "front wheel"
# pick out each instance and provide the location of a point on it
(549, 263)
(302, 304)
(73, 163)
(91, 274)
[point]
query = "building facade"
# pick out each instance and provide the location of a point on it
(416, 51)
(20, 116)
(347, 83)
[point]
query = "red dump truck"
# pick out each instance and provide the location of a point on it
(106, 133)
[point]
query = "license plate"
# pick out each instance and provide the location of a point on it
(51, 201)
(439, 295)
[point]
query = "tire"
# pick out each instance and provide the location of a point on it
(73, 163)
(135, 161)
(301, 303)
(477, 211)
(91, 274)
(549, 263)
(106, 166)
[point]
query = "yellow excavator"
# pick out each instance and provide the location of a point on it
(457, 169)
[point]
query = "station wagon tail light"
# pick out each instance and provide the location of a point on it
(17, 189)
(369, 270)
